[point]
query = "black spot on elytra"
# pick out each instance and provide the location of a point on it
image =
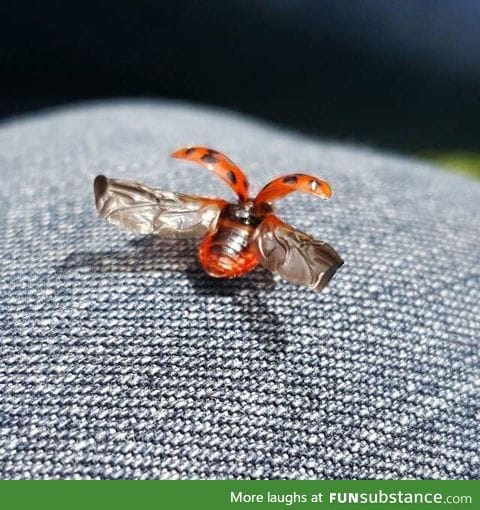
(189, 150)
(209, 158)
(231, 177)
(290, 179)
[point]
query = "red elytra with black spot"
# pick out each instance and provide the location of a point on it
(237, 237)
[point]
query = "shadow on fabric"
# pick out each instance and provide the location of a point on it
(240, 300)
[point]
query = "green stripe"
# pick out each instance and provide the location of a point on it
(331, 495)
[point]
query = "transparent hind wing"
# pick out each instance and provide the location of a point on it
(142, 209)
(294, 255)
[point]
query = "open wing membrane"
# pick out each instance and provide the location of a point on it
(295, 255)
(145, 210)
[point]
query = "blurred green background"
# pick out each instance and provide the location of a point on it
(466, 163)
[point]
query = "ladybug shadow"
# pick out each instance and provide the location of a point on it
(148, 254)
(242, 302)
(245, 305)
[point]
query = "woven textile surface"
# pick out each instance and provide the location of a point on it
(120, 358)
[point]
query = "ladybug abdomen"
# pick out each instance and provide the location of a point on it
(227, 253)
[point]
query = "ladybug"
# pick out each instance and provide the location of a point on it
(237, 237)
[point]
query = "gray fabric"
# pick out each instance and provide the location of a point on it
(120, 358)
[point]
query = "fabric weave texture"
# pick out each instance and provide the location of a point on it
(120, 358)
